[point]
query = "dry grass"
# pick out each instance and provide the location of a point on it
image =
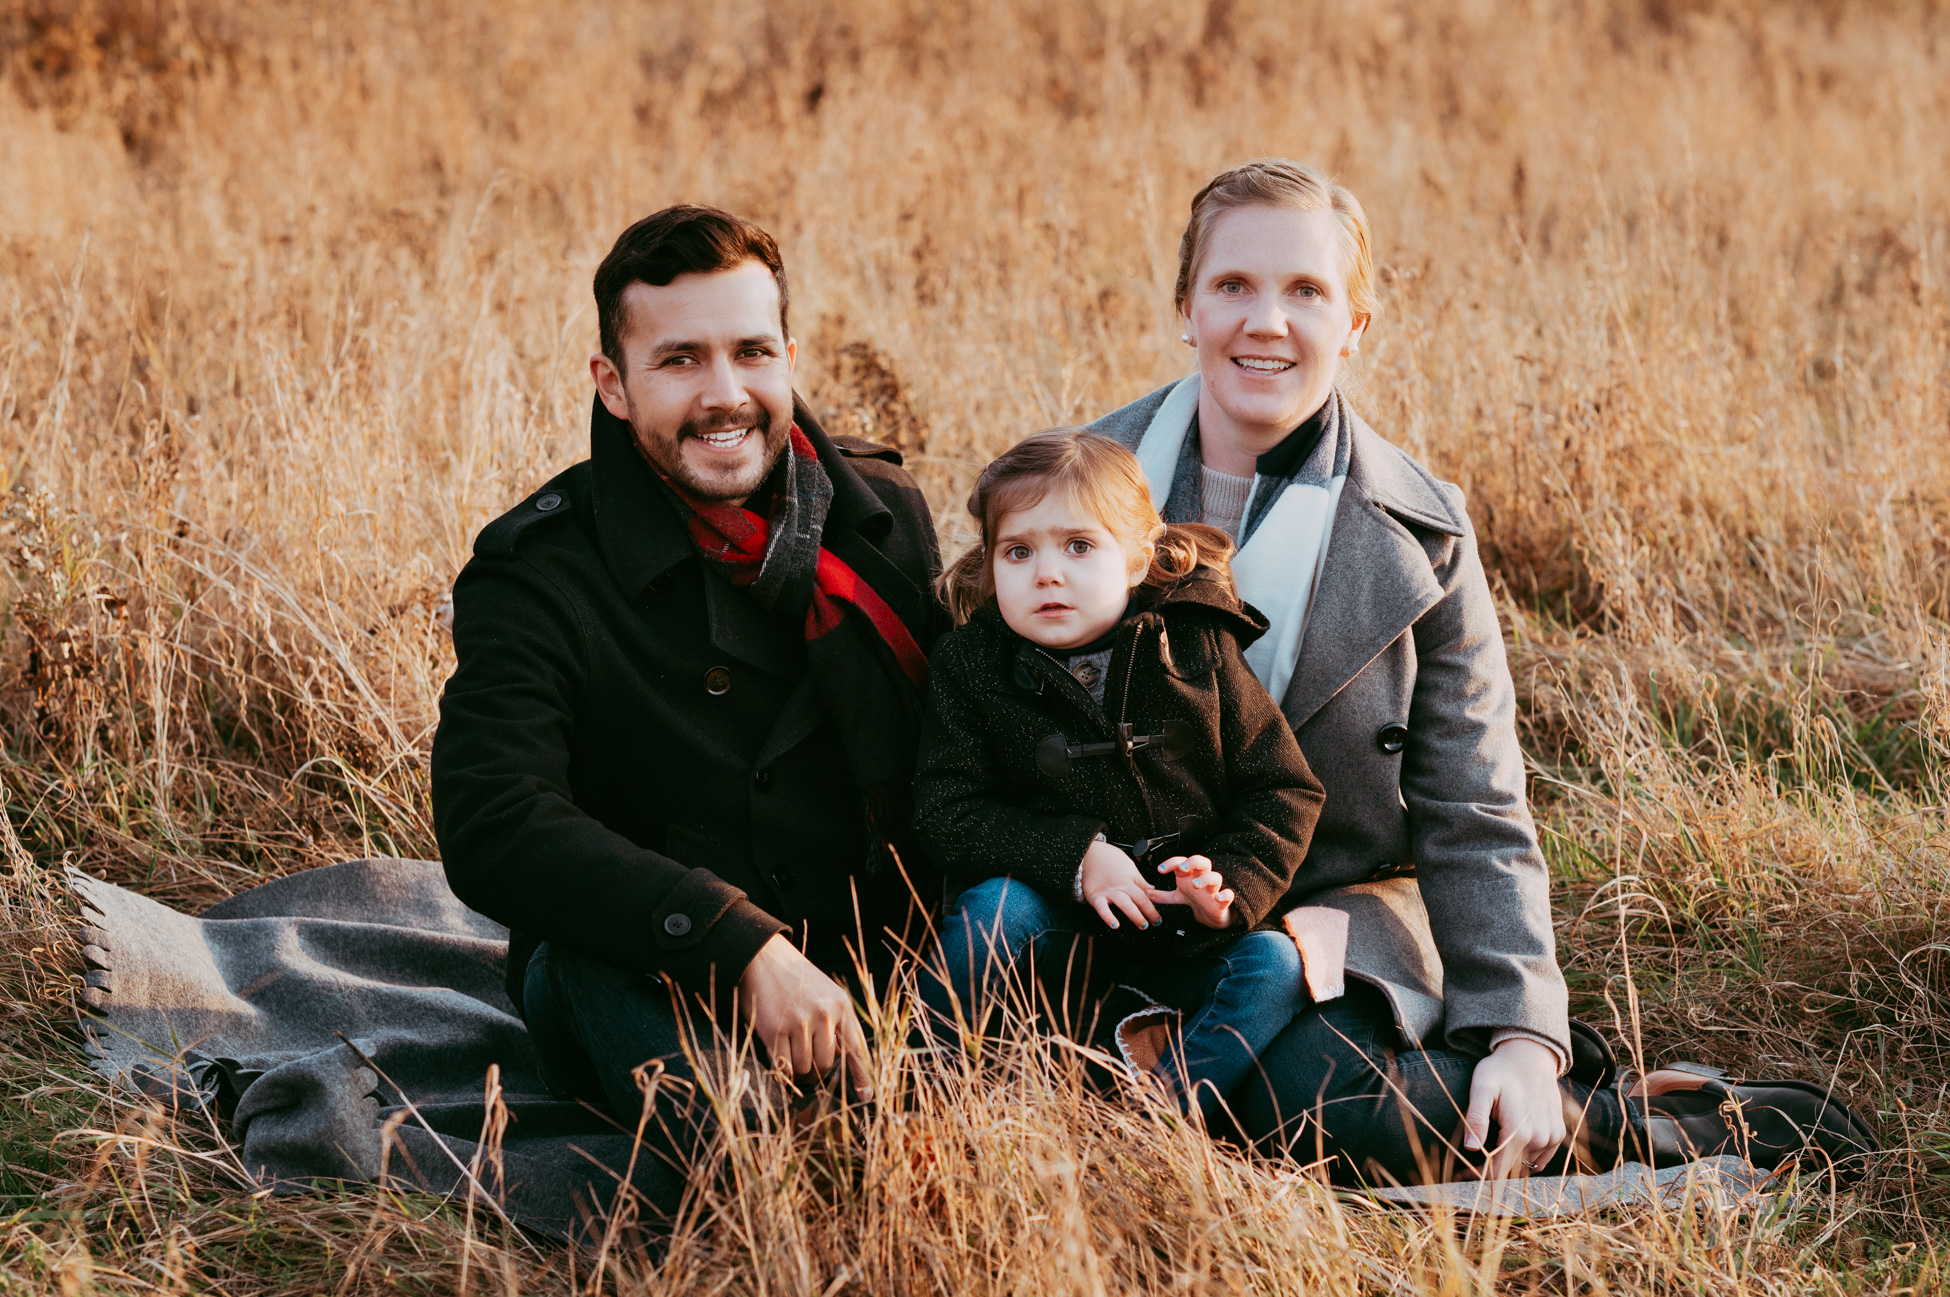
(295, 299)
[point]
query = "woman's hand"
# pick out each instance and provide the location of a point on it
(1201, 887)
(1112, 881)
(1517, 1084)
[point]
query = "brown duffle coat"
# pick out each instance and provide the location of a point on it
(992, 799)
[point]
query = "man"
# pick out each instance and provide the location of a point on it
(675, 754)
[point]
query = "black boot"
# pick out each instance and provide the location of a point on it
(1688, 1112)
(1767, 1122)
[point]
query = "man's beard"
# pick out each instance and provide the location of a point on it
(666, 452)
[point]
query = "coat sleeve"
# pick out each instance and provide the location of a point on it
(515, 845)
(962, 814)
(1275, 799)
(1481, 872)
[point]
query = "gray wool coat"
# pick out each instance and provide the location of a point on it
(1429, 848)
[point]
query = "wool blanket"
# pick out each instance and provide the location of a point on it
(313, 1009)
(344, 1019)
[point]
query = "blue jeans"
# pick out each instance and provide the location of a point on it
(1336, 1084)
(1234, 1001)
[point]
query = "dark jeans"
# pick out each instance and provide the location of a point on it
(1233, 1001)
(1337, 1083)
(593, 1025)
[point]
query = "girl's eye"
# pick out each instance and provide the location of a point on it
(1016, 553)
(1079, 546)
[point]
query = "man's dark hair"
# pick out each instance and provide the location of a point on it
(684, 240)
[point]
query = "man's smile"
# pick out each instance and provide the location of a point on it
(727, 439)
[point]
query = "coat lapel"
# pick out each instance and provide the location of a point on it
(741, 629)
(1376, 580)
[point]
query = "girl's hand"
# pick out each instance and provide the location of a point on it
(1201, 887)
(1112, 881)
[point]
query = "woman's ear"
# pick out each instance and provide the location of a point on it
(1354, 336)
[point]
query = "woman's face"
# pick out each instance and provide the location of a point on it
(1269, 314)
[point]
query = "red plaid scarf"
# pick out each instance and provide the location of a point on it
(738, 539)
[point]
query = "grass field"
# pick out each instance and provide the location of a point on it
(294, 298)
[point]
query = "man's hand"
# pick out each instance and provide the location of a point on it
(1517, 1084)
(804, 1018)
(1201, 887)
(1112, 879)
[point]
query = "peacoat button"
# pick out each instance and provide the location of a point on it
(782, 880)
(549, 503)
(677, 924)
(1392, 738)
(717, 681)
(762, 781)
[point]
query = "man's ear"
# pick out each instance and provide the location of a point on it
(791, 353)
(609, 386)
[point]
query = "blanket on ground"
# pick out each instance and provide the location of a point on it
(283, 1006)
(250, 1007)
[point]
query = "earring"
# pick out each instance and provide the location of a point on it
(1186, 338)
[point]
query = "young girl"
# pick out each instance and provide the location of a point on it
(1093, 731)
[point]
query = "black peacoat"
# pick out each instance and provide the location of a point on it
(992, 797)
(632, 758)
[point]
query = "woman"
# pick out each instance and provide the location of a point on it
(1449, 1039)
(1384, 653)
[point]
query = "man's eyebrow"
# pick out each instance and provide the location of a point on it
(686, 345)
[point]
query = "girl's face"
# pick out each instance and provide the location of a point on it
(1269, 315)
(1062, 578)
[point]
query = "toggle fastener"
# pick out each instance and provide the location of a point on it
(1055, 754)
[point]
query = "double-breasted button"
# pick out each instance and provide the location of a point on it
(762, 781)
(1392, 738)
(717, 681)
(782, 880)
(677, 924)
(549, 503)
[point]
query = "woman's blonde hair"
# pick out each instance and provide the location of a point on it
(1276, 182)
(1105, 481)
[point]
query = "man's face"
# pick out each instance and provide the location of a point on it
(706, 383)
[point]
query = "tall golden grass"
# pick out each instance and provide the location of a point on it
(296, 298)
